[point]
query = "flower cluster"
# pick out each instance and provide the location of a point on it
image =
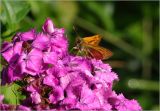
(53, 79)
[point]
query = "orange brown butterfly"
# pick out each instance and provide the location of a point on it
(89, 46)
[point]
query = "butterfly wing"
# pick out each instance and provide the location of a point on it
(98, 52)
(92, 40)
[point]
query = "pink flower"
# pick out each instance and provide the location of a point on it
(59, 43)
(53, 79)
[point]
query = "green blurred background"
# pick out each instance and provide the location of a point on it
(129, 29)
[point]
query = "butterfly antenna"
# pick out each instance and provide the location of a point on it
(75, 30)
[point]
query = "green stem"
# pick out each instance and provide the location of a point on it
(147, 48)
(143, 84)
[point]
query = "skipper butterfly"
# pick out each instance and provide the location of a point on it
(89, 46)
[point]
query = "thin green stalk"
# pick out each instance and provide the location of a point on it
(143, 84)
(147, 48)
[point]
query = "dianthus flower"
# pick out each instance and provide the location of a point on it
(56, 80)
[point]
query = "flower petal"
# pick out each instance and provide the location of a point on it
(48, 26)
(36, 98)
(50, 80)
(7, 51)
(41, 42)
(30, 35)
(50, 57)
(34, 61)
(56, 95)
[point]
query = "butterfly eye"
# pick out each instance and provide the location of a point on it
(78, 41)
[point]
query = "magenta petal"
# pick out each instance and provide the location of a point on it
(106, 107)
(17, 48)
(131, 105)
(57, 70)
(48, 26)
(36, 98)
(11, 52)
(5, 46)
(41, 42)
(24, 61)
(69, 103)
(5, 107)
(50, 81)
(11, 73)
(7, 51)
(120, 103)
(1, 98)
(23, 108)
(74, 85)
(56, 95)
(100, 65)
(34, 61)
(60, 31)
(70, 79)
(79, 63)
(88, 99)
(65, 80)
(30, 35)
(105, 78)
(7, 75)
(86, 95)
(50, 57)
(59, 43)
(30, 88)
(125, 104)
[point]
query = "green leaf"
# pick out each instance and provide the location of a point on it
(9, 12)
(22, 12)
(11, 94)
(12, 12)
